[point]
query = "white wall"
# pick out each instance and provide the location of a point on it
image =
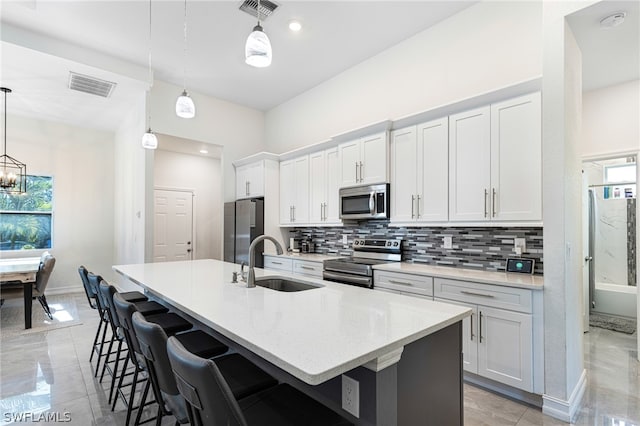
(238, 129)
(610, 119)
(81, 163)
(562, 182)
(202, 175)
(482, 48)
(129, 175)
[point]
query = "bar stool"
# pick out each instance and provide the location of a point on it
(244, 377)
(210, 400)
(132, 296)
(146, 307)
(169, 322)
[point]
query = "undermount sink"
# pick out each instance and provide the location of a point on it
(282, 284)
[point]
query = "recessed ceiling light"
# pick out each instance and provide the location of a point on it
(295, 26)
(613, 20)
(204, 151)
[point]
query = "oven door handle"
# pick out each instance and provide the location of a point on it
(344, 278)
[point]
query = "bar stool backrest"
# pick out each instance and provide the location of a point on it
(87, 287)
(210, 401)
(107, 291)
(125, 311)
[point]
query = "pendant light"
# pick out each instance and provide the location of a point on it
(149, 139)
(257, 50)
(185, 108)
(13, 173)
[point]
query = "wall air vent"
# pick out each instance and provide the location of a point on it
(91, 85)
(267, 8)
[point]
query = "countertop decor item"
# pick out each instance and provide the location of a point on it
(13, 173)
(185, 108)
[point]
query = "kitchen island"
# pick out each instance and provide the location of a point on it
(405, 352)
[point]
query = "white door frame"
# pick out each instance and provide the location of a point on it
(193, 213)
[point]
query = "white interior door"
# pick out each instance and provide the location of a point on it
(173, 225)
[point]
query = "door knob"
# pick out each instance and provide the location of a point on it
(588, 258)
(188, 250)
(189, 242)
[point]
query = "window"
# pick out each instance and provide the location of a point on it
(620, 173)
(25, 219)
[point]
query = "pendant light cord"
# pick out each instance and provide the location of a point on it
(150, 72)
(184, 62)
(5, 127)
(258, 11)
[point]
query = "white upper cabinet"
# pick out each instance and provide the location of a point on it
(495, 162)
(250, 180)
(404, 174)
(323, 187)
(469, 165)
(364, 161)
(419, 173)
(294, 191)
(516, 159)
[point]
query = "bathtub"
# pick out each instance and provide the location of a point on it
(614, 299)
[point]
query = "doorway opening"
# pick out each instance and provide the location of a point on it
(610, 203)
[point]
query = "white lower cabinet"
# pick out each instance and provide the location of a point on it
(307, 268)
(497, 343)
(414, 285)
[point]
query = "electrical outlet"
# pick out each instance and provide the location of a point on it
(447, 242)
(520, 245)
(351, 395)
(344, 239)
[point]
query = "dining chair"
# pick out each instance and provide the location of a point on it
(47, 264)
(210, 400)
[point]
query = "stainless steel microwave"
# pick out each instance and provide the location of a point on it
(365, 202)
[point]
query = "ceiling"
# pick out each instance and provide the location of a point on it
(335, 36)
(47, 39)
(609, 55)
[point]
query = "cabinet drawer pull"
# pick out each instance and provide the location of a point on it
(308, 267)
(471, 293)
(480, 328)
(276, 263)
(400, 282)
(418, 206)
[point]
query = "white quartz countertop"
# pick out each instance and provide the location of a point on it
(311, 257)
(315, 334)
(533, 282)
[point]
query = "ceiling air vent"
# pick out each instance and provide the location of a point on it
(266, 8)
(91, 85)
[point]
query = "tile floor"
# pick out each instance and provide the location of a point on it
(50, 371)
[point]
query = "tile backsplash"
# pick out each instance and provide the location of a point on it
(472, 247)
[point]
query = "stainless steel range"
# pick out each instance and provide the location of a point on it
(358, 269)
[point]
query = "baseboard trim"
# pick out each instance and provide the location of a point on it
(566, 410)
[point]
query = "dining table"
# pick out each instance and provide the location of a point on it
(21, 271)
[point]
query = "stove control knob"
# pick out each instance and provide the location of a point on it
(395, 244)
(388, 243)
(356, 242)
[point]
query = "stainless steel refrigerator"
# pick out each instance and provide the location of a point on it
(243, 222)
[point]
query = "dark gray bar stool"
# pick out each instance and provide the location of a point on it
(211, 402)
(244, 377)
(171, 323)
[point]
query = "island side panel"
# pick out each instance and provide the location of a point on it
(430, 373)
